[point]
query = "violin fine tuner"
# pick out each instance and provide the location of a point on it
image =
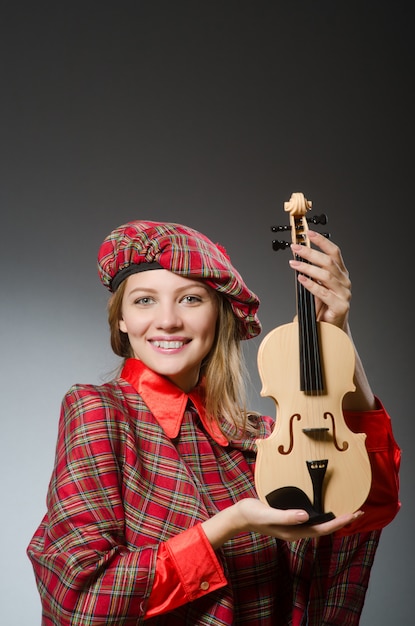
(278, 244)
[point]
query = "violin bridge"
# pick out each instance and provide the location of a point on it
(315, 432)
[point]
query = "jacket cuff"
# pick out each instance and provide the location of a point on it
(196, 563)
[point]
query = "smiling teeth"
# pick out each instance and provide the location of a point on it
(167, 344)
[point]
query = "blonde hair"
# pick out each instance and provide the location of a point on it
(223, 369)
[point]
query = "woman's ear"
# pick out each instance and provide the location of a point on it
(122, 326)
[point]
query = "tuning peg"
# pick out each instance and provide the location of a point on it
(279, 245)
(318, 219)
(315, 219)
(280, 229)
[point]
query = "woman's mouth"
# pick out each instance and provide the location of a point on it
(168, 345)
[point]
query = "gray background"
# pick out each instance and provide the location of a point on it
(211, 114)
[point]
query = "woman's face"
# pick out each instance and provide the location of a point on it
(171, 323)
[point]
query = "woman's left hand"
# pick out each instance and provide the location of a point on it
(326, 277)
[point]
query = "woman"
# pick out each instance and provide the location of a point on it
(152, 514)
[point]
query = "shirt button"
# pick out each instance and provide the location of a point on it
(204, 585)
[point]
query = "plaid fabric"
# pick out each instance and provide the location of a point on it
(184, 251)
(330, 577)
(120, 487)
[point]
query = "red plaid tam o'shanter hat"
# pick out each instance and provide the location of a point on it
(136, 246)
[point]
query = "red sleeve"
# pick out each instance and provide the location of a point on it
(186, 568)
(382, 503)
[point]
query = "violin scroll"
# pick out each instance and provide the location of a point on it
(297, 204)
(297, 207)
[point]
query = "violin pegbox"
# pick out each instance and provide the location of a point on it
(297, 207)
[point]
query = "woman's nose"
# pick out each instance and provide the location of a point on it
(168, 317)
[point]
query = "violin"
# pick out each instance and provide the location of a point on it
(311, 460)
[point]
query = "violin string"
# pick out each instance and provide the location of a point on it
(305, 363)
(311, 354)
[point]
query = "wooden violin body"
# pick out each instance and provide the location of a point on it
(311, 460)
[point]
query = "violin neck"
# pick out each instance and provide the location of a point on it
(311, 375)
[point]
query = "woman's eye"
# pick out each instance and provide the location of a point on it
(192, 299)
(143, 301)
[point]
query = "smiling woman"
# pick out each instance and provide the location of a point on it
(152, 510)
(170, 322)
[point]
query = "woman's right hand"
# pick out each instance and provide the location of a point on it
(250, 514)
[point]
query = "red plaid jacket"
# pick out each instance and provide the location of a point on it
(124, 492)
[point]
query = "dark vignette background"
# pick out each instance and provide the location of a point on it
(208, 113)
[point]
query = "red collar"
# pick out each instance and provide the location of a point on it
(166, 401)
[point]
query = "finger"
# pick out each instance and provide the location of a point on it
(338, 523)
(330, 306)
(304, 531)
(326, 245)
(327, 528)
(323, 270)
(322, 282)
(327, 253)
(330, 262)
(295, 517)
